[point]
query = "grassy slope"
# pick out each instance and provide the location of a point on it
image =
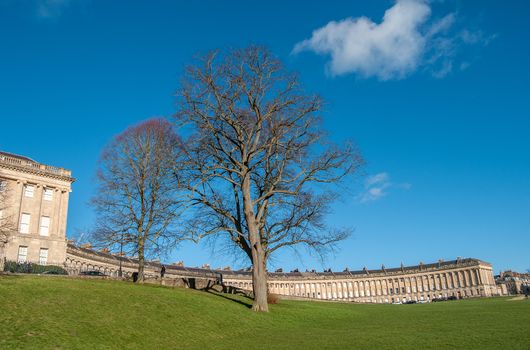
(62, 313)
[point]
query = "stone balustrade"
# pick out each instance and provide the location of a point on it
(29, 164)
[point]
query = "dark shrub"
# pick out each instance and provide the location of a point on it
(272, 298)
(27, 267)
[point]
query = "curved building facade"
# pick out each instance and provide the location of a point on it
(461, 278)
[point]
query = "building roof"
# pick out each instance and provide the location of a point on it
(12, 155)
(204, 271)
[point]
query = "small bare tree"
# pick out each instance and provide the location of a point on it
(258, 166)
(7, 225)
(137, 202)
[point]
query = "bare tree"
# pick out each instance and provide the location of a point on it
(258, 166)
(137, 202)
(7, 225)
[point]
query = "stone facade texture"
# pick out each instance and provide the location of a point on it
(37, 206)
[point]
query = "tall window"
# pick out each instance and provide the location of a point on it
(48, 194)
(43, 256)
(22, 253)
(24, 222)
(29, 190)
(44, 226)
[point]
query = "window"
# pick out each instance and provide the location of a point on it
(22, 254)
(24, 223)
(43, 256)
(29, 190)
(48, 194)
(44, 226)
(3, 186)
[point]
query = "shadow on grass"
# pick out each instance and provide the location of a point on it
(230, 297)
(228, 293)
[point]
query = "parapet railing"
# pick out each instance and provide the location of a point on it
(33, 165)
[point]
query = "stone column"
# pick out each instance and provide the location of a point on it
(479, 277)
(39, 195)
(362, 290)
(17, 210)
(464, 278)
(425, 283)
(472, 277)
(432, 282)
(408, 286)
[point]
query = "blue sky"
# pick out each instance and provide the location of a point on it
(435, 94)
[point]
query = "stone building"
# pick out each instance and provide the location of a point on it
(37, 205)
(514, 282)
(460, 278)
(36, 208)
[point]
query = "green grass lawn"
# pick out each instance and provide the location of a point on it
(65, 313)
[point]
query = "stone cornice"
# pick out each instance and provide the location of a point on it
(34, 168)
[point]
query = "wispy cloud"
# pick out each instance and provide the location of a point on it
(405, 40)
(377, 186)
(47, 9)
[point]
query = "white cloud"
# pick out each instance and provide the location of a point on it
(374, 187)
(51, 8)
(402, 42)
(373, 194)
(376, 179)
(377, 186)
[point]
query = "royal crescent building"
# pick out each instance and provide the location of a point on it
(37, 205)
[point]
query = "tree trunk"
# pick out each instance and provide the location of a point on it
(141, 262)
(259, 271)
(259, 279)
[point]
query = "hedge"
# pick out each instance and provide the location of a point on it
(28, 267)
